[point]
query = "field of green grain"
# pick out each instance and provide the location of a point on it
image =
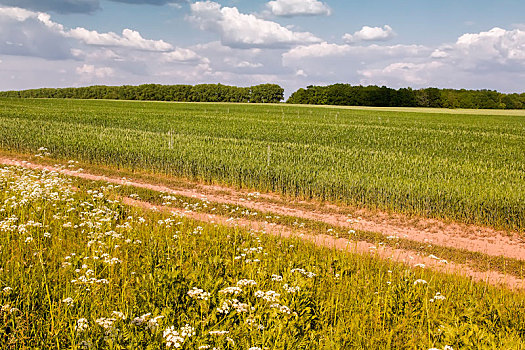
(460, 166)
(80, 270)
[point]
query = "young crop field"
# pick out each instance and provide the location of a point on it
(459, 166)
(81, 270)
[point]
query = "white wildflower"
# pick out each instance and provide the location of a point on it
(231, 290)
(82, 325)
(153, 323)
(173, 338)
(245, 282)
(277, 278)
(138, 321)
(119, 314)
(106, 323)
(270, 296)
(291, 289)
(198, 294)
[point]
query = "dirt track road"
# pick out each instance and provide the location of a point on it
(428, 231)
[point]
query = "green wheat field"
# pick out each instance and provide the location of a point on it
(464, 167)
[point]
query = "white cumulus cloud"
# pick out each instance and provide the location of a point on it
(401, 73)
(288, 8)
(92, 71)
(438, 53)
(28, 33)
(129, 38)
(498, 44)
(180, 55)
(245, 30)
(370, 34)
(370, 53)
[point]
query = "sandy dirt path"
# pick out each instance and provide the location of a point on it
(428, 231)
(455, 235)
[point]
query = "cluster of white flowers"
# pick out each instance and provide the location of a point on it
(231, 290)
(253, 323)
(197, 230)
(87, 279)
(198, 294)
(82, 325)
(298, 224)
(246, 282)
(173, 338)
(277, 278)
(9, 309)
(247, 253)
(269, 296)
(291, 289)
(168, 222)
(9, 224)
(420, 281)
(176, 338)
(43, 152)
(138, 321)
(106, 323)
(282, 308)
(438, 296)
(304, 273)
(235, 304)
(153, 323)
(119, 314)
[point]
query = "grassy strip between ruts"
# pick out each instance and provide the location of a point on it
(476, 260)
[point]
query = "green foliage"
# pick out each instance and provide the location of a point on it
(375, 96)
(264, 93)
(80, 270)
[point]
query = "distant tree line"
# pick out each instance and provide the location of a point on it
(264, 93)
(375, 96)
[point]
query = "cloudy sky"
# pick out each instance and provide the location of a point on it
(475, 44)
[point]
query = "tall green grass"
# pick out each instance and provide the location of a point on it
(80, 270)
(469, 168)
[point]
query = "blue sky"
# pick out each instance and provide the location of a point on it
(459, 44)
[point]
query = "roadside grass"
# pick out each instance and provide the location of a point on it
(80, 270)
